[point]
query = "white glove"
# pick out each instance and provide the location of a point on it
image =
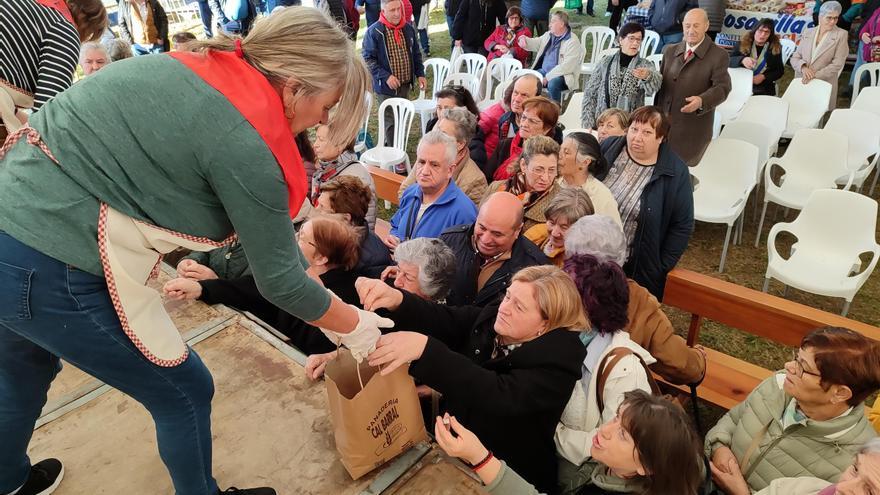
(362, 340)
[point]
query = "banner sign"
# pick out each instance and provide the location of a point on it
(739, 22)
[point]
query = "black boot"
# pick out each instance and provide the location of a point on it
(247, 491)
(44, 478)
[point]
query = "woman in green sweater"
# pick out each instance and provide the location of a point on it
(155, 153)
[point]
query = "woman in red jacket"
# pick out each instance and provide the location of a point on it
(503, 40)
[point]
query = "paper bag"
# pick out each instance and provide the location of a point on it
(374, 424)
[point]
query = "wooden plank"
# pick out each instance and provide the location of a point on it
(387, 183)
(760, 314)
(437, 474)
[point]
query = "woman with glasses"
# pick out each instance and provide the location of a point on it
(760, 52)
(807, 420)
(503, 41)
(539, 117)
(621, 80)
(533, 179)
(823, 49)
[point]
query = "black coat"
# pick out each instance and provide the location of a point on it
(774, 71)
(160, 19)
(464, 287)
(666, 217)
(374, 257)
(242, 293)
(475, 21)
(512, 403)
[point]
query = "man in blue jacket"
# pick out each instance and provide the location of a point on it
(434, 203)
(394, 58)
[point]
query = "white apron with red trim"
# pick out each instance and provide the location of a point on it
(11, 99)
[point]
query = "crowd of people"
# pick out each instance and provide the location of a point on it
(520, 276)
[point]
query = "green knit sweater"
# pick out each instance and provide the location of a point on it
(154, 141)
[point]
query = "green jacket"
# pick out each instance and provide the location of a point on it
(227, 262)
(571, 478)
(821, 449)
(151, 139)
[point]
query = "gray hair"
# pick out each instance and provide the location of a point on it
(89, 46)
(465, 123)
(570, 203)
(383, 3)
(599, 236)
(437, 136)
(831, 7)
(118, 49)
(871, 447)
(436, 262)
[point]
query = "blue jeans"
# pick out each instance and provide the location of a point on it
(668, 39)
(371, 11)
(555, 87)
(137, 49)
(49, 310)
(449, 20)
(207, 18)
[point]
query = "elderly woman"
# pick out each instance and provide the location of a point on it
(452, 96)
(760, 51)
(612, 122)
(113, 210)
(459, 124)
(92, 57)
(533, 180)
(539, 118)
(41, 47)
(336, 161)
(807, 420)
(506, 370)
(580, 159)
(503, 41)
(621, 80)
(647, 448)
(564, 210)
(652, 187)
(425, 267)
(861, 478)
(118, 49)
(823, 49)
(330, 247)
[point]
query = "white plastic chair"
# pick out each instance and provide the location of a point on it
(425, 106)
(602, 38)
(726, 176)
(465, 80)
(807, 103)
(873, 71)
(788, 49)
(862, 129)
(757, 134)
(471, 63)
(499, 69)
(649, 44)
(833, 230)
(499, 90)
(656, 59)
(815, 158)
(571, 118)
(741, 90)
(361, 146)
(771, 111)
(868, 100)
(387, 157)
(566, 132)
(522, 72)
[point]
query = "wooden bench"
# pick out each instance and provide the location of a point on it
(728, 379)
(387, 184)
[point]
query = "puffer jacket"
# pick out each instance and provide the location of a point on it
(821, 449)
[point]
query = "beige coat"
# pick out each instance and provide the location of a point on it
(704, 75)
(571, 56)
(829, 61)
(468, 177)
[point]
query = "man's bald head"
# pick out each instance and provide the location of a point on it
(695, 25)
(498, 224)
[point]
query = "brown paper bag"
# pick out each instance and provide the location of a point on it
(374, 424)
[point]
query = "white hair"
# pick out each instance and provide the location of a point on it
(437, 136)
(89, 46)
(832, 7)
(436, 262)
(599, 236)
(871, 447)
(465, 122)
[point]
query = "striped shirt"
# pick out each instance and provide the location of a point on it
(626, 180)
(39, 49)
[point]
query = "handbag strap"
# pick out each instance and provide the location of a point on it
(606, 366)
(754, 446)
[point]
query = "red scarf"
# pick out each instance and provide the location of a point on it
(503, 170)
(397, 29)
(60, 6)
(251, 94)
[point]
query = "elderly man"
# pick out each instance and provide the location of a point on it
(434, 203)
(559, 58)
(490, 251)
(92, 57)
(497, 122)
(695, 81)
(392, 54)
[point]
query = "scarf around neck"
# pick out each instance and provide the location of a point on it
(503, 171)
(397, 29)
(327, 170)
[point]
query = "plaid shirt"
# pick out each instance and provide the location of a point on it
(398, 57)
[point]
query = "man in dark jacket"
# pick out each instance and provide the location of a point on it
(490, 251)
(393, 56)
(475, 21)
(665, 220)
(666, 17)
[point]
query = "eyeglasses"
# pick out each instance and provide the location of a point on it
(799, 370)
(633, 39)
(299, 237)
(514, 18)
(539, 172)
(530, 120)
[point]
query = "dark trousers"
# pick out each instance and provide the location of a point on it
(207, 18)
(537, 26)
(423, 33)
